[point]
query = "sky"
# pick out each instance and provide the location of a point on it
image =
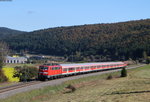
(30, 15)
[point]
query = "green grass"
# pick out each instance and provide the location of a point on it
(95, 89)
(14, 65)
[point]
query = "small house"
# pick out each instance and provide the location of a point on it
(10, 59)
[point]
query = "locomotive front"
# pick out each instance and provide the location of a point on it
(48, 71)
(43, 72)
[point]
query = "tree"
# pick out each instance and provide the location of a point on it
(123, 72)
(3, 78)
(26, 73)
(3, 52)
(148, 60)
(144, 55)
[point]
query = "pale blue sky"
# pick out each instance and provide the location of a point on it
(29, 15)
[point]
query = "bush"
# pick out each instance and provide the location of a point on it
(109, 77)
(3, 78)
(123, 72)
(9, 73)
(71, 89)
(26, 73)
(148, 60)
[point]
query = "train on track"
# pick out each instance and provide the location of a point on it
(54, 70)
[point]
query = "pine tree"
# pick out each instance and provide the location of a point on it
(123, 72)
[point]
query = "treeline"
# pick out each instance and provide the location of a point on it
(5, 32)
(97, 42)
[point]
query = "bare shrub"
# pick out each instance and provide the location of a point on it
(109, 77)
(69, 89)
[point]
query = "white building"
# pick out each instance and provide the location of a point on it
(10, 59)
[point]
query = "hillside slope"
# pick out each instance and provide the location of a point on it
(5, 32)
(116, 41)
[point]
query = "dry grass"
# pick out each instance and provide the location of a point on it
(4, 84)
(134, 88)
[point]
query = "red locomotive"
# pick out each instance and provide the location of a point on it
(53, 70)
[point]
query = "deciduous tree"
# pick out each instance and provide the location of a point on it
(3, 53)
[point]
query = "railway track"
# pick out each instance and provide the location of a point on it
(16, 86)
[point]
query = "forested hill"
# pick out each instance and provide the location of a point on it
(5, 32)
(115, 41)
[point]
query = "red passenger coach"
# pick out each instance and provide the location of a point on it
(53, 70)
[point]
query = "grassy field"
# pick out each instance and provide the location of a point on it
(134, 88)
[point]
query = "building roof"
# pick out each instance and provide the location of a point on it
(88, 64)
(15, 58)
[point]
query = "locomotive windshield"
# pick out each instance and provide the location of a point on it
(43, 68)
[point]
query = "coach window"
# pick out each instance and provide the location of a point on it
(70, 69)
(77, 68)
(65, 69)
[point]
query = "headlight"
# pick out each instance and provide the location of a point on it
(45, 72)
